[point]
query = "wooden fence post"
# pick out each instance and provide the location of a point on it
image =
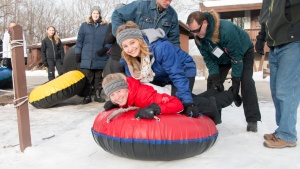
(20, 87)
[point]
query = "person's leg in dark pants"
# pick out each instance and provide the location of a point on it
(224, 69)
(207, 107)
(116, 66)
(223, 72)
(248, 90)
(51, 69)
(59, 67)
(211, 101)
(87, 90)
(6, 62)
(98, 85)
(191, 86)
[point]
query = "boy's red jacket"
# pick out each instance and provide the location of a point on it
(141, 95)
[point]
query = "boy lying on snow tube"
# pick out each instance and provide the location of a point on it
(151, 140)
(208, 103)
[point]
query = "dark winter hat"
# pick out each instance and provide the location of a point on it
(129, 33)
(96, 8)
(114, 85)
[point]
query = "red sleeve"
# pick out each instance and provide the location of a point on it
(168, 104)
(141, 95)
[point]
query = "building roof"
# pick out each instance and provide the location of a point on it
(231, 5)
(184, 29)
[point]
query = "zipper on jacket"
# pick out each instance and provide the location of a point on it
(270, 12)
(53, 50)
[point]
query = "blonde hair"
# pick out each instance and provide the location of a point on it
(55, 37)
(143, 45)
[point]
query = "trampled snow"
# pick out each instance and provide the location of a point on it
(61, 138)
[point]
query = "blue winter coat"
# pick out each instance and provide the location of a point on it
(90, 39)
(171, 64)
(144, 14)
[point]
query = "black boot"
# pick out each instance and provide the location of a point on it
(207, 106)
(223, 99)
(252, 126)
(214, 108)
(98, 97)
(86, 100)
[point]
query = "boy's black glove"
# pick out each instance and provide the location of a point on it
(148, 112)
(235, 91)
(109, 105)
(190, 110)
(102, 51)
(216, 82)
(78, 58)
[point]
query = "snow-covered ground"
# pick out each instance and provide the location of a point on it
(61, 138)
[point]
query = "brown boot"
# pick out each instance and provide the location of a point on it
(269, 136)
(276, 142)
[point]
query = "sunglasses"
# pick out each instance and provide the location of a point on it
(197, 30)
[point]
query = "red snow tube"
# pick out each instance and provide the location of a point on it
(174, 137)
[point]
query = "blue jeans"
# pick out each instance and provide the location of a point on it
(285, 88)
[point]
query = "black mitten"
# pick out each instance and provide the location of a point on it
(102, 51)
(260, 40)
(235, 91)
(216, 82)
(109, 105)
(190, 110)
(148, 112)
(259, 46)
(78, 58)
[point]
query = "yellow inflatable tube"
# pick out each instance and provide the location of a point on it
(57, 90)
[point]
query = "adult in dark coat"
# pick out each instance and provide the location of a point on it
(225, 46)
(280, 21)
(90, 42)
(52, 53)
